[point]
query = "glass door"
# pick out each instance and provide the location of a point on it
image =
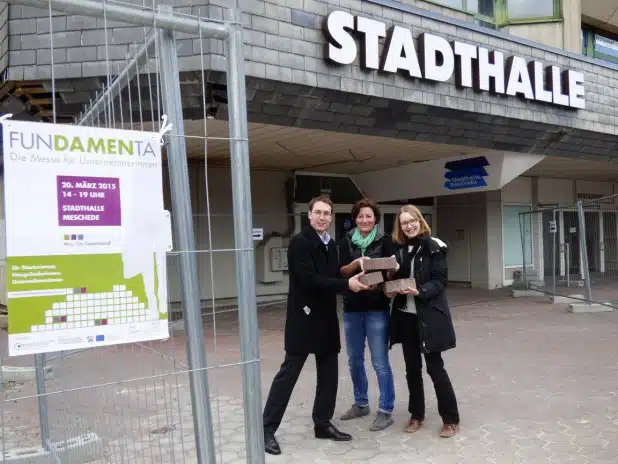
(610, 241)
(571, 241)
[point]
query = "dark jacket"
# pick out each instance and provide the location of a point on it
(436, 330)
(315, 280)
(370, 300)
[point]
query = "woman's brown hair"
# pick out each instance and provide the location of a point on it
(398, 236)
(365, 203)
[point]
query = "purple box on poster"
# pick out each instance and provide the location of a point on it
(88, 201)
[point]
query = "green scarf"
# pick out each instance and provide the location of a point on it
(363, 243)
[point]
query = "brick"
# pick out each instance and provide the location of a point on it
(37, 72)
(304, 19)
(265, 55)
(22, 57)
(22, 26)
(112, 52)
(184, 47)
(43, 56)
(281, 13)
(291, 31)
(31, 12)
(96, 37)
(260, 23)
(105, 23)
(255, 69)
(313, 6)
(380, 264)
(372, 278)
(251, 6)
(304, 78)
(59, 24)
(68, 70)
(255, 37)
(292, 60)
(395, 286)
(278, 73)
(98, 68)
(81, 54)
(127, 35)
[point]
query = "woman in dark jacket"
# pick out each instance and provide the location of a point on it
(421, 319)
(365, 316)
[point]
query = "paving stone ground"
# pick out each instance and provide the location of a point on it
(535, 384)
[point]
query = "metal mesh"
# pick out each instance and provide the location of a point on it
(571, 252)
(135, 402)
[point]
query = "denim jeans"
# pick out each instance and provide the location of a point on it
(373, 326)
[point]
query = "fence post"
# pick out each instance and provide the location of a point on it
(553, 255)
(185, 239)
(39, 372)
(522, 225)
(243, 242)
(583, 247)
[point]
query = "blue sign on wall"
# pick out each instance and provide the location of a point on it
(466, 173)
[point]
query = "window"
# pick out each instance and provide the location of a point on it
(532, 9)
(503, 12)
(483, 9)
(516, 227)
(600, 44)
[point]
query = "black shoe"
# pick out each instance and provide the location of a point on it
(271, 446)
(331, 433)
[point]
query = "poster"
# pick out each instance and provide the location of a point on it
(86, 237)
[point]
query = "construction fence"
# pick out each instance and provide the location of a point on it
(196, 396)
(572, 251)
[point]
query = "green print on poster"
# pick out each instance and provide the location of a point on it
(78, 291)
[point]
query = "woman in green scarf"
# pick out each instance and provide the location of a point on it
(366, 315)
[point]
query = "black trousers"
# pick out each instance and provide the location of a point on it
(447, 402)
(283, 386)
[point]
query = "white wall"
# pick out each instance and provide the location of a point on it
(470, 223)
(269, 213)
(556, 191)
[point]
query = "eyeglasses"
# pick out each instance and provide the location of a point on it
(321, 213)
(409, 223)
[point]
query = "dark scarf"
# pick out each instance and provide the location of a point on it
(417, 242)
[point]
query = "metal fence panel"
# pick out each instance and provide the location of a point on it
(571, 252)
(160, 401)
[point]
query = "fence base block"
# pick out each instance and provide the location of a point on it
(589, 308)
(526, 293)
(35, 455)
(83, 448)
(572, 283)
(22, 374)
(571, 299)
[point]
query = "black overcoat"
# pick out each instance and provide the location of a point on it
(312, 324)
(436, 331)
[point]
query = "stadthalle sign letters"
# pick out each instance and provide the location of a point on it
(437, 60)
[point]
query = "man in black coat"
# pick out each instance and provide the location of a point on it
(311, 326)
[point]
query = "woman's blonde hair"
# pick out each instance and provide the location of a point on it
(398, 236)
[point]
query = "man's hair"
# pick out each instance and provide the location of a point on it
(323, 199)
(398, 236)
(366, 203)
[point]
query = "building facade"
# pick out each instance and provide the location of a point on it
(475, 110)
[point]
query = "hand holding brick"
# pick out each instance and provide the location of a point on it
(373, 278)
(380, 264)
(399, 285)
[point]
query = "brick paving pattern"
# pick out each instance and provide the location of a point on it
(535, 384)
